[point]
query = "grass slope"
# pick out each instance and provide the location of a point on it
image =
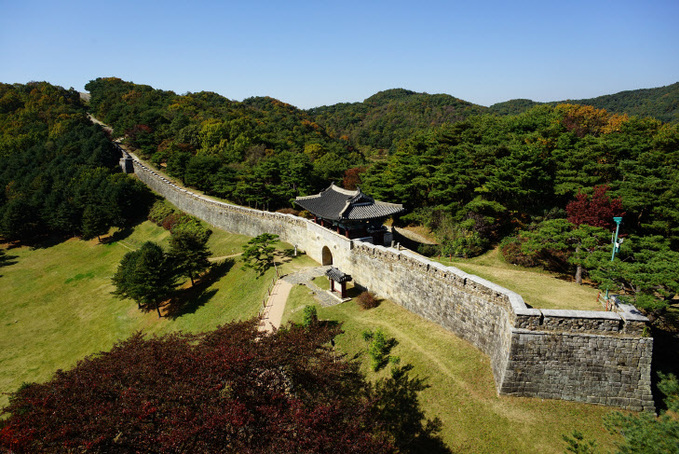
(57, 305)
(541, 290)
(462, 391)
(57, 308)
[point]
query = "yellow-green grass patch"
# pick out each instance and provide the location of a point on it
(57, 305)
(538, 288)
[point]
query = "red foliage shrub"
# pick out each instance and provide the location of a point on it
(367, 300)
(230, 390)
(597, 210)
(172, 220)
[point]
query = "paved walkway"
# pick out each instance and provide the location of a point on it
(275, 305)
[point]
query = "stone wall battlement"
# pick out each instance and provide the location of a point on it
(588, 356)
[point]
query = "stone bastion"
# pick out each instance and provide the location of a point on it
(587, 356)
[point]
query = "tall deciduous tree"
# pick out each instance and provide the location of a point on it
(597, 210)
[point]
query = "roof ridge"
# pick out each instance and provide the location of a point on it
(353, 193)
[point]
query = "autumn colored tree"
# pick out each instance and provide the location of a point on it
(352, 177)
(596, 210)
(229, 390)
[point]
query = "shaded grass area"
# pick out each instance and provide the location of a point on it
(462, 391)
(57, 305)
(539, 289)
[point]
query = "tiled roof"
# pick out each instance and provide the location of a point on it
(337, 276)
(336, 204)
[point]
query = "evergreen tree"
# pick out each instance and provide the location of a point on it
(145, 276)
(188, 249)
(258, 254)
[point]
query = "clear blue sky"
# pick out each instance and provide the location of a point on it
(318, 53)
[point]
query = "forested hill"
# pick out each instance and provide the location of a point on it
(260, 152)
(390, 115)
(59, 173)
(661, 103)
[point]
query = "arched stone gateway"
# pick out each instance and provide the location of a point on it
(326, 256)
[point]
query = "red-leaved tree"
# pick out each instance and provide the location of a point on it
(597, 210)
(229, 390)
(352, 177)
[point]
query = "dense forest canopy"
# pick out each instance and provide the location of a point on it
(498, 171)
(475, 178)
(382, 120)
(58, 168)
(260, 152)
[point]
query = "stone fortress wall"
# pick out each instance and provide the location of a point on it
(588, 356)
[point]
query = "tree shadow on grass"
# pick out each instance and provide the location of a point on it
(189, 300)
(285, 256)
(7, 260)
(43, 242)
(118, 235)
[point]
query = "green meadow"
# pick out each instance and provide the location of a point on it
(57, 305)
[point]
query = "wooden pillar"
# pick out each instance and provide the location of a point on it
(344, 290)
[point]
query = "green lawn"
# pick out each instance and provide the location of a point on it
(57, 305)
(539, 289)
(462, 392)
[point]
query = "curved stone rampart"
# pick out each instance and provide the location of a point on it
(589, 356)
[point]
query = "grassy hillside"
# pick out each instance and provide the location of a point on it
(542, 290)
(57, 303)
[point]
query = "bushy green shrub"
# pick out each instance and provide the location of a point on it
(429, 250)
(379, 349)
(460, 242)
(510, 248)
(159, 211)
(310, 316)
